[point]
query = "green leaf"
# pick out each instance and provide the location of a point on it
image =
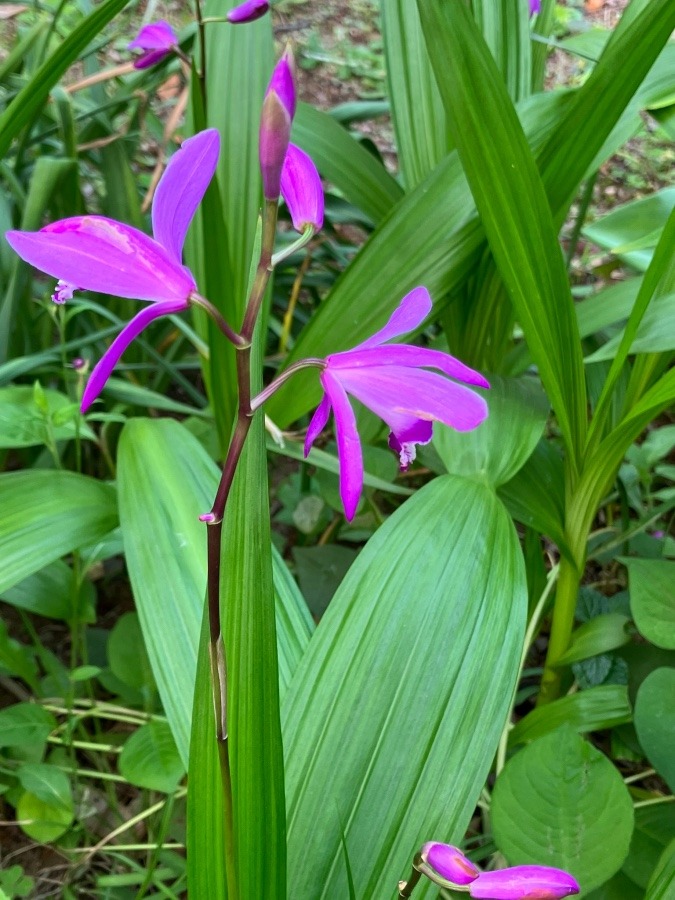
(22, 424)
(44, 822)
(631, 221)
(150, 758)
(652, 600)
(654, 826)
(46, 514)
(362, 179)
(655, 721)
(506, 29)
(48, 592)
(136, 395)
(47, 783)
(127, 655)
(509, 194)
(655, 334)
(16, 658)
(25, 723)
(415, 660)
(27, 103)
(599, 707)
(422, 135)
(601, 634)
(662, 883)
(166, 479)
(503, 443)
(557, 802)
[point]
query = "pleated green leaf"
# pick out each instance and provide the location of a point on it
(31, 97)
(504, 442)
(506, 29)
(600, 707)
(510, 196)
(166, 479)
(652, 598)
(343, 161)
(662, 883)
(393, 717)
(46, 514)
(422, 135)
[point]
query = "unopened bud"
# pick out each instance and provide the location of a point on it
(449, 862)
(248, 11)
(524, 883)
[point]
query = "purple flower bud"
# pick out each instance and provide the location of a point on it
(63, 291)
(248, 11)
(79, 364)
(524, 883)
(449, 862)
(302, 190)
(535, 6)
(275, 124)
(156, 40)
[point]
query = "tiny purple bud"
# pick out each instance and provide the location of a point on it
(209, 518)
(302, 190)
(248, 11)
(524, 883)
(63, 291)
(79, 364)
(658, 534)
(156, 40)
(275, 124)
(449, 862)
(535, 6)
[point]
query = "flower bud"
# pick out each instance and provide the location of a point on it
(535, 7)
(302, 190)
(449, 862)
(248, 11)
(275, 124)
(156, 40)
(524, 883)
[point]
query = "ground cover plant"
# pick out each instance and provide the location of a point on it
(337, 491)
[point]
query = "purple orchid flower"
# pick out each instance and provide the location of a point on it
(99, 254)
(302, 190)
(156, 41)
(390, 380)
(449, 862)
(275, 124)
(524, 883)
(248, 11)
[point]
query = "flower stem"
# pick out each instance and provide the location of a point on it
(561, 629)
(197, 300)
(274, 385)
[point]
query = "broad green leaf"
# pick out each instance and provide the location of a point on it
(127, 656)
(42, 821)
(655, 334)
(49, 593)
(631, 221)
(415, 662)
(22, 424)
(25, 724)
(599, 707)
(654, 827)
(599, 635)
(205, 815)
(535, 496)
(17, 659)
(150, 759)
(509, 194)
(506, 29)
(504, 442)
(619, 887)
(136, 395)
(655, 721)
(559, 800)
(662, 883)
(343, 161)
(47, 783)
(46, 514)
(652, 598)
(166, 479)
(26, 104)
(422, 135)
(607, 307)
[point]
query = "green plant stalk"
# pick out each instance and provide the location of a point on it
(569, 578)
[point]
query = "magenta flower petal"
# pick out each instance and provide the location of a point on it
(103, 368)
(157, 40)
(408, 355)
(302, 190)
(524, 883)
(400, 396)
(275, 125)
(99, 254)
(449, 862)
(348, 444)
(248, 11)
(63, 291)
(181, 189)
(282, 82)
(318, 423)
(408, 315)
(404, 443)
(535, 6)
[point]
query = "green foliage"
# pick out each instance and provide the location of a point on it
(655, 721)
